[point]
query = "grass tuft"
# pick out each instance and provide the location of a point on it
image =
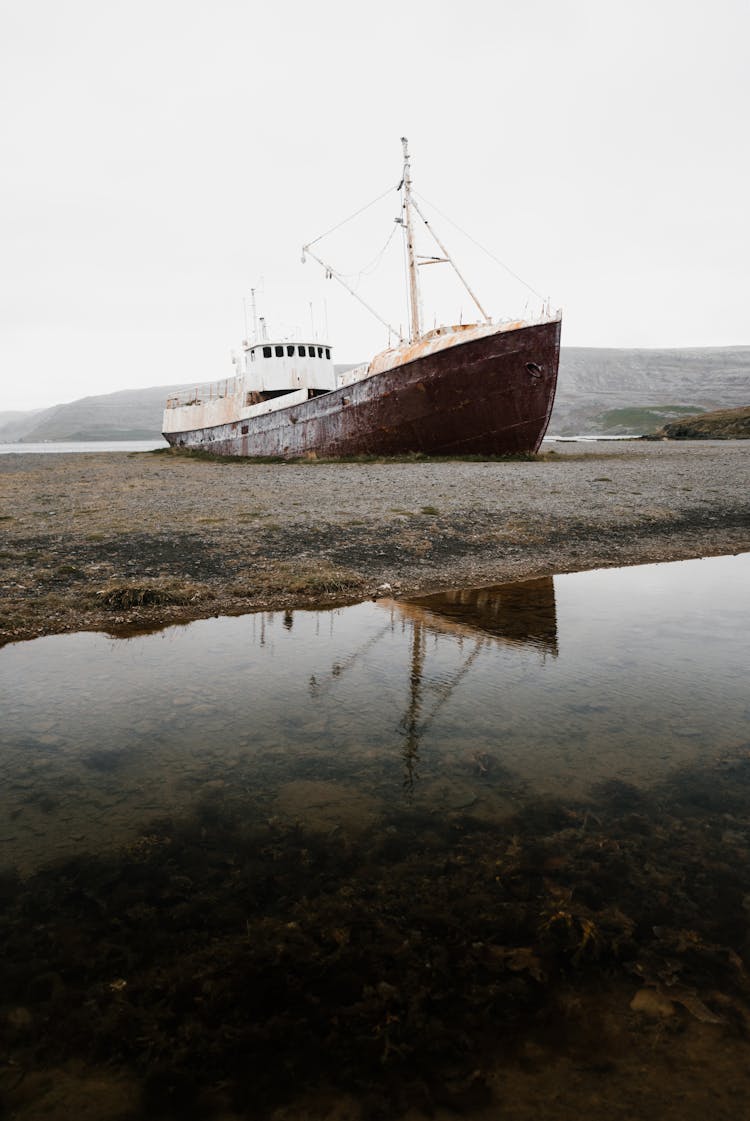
(125, 594)
(319, 578)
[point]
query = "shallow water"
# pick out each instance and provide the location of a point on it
(62, 447)
(397, 830)
(561, 683)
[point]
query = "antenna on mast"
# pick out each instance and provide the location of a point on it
(255, 315)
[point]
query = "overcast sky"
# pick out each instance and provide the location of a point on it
(160, 158)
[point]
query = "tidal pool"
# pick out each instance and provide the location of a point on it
(382, 851)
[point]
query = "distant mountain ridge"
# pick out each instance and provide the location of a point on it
(600, 390)
(634, 391)
(129, 414)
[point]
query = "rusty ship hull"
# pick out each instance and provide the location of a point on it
(491, 395)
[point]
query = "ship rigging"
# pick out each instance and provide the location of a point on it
(414, 260)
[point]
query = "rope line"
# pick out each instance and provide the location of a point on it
(351, 216)
(478, 244)
(372, 265)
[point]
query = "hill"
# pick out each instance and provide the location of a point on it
(725, 424)
(14, 424)
(600, 391)
(130, 414)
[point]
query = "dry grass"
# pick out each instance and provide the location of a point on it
(318, 578)
(125, 594)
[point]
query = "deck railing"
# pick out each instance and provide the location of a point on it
(202, 394)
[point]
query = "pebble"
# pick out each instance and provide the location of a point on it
(652, 1004)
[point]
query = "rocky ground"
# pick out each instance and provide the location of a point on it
(111, 541)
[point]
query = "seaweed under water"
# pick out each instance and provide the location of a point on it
(228, 962)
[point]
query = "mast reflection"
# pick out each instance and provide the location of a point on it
(519, 614)
(411, 721)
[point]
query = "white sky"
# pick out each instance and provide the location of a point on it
(162, 157)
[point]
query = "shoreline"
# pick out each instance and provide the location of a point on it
(138, 541)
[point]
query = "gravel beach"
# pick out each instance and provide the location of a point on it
(116, 541)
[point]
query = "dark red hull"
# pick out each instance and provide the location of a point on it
(487, 396)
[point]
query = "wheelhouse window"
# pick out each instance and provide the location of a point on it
(320, 352)
(290, 352)
(311, 351)
(328, 353)
(302, 352)
(267, 352)
(279, 352)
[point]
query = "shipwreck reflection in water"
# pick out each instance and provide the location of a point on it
(521, 613)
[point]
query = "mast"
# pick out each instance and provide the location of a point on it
(414, 298)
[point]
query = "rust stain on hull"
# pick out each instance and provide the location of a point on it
(487, 396)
